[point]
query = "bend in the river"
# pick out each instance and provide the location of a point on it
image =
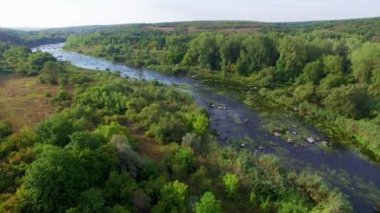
(361, 176)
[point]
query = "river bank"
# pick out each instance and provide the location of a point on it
(347, 169)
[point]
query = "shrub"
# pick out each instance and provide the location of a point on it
(231, 183)
(208, 204)
(5, 129)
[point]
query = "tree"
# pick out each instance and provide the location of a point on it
(329, 82)
(231, 183)
(84, 140)
(333, 64)
(177, 47)
(208, 204)
(174, 195)
(201, 124)
(181, 161)
(56, 130)
(169, 129)
(366, 62)
(311, 73)
(192, 140)
(16, 57)
(257, 53)
(264, 78)
(350, 100)
(293, 56)
(230, 52)
(304, 92)
(108, 131)
(119, 188)
(52, 183)
(5, 129)
(204, 50)
(50, 72)
(37, 61)
(91, 201)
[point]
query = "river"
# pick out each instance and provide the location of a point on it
(354, 174)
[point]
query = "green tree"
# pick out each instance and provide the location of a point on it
(37, 61)
(230, 52)
(91, 201)
(174, 195)
(50, 72)
(366, 62)
(169, 129)
(231, 183)
(257, 52)
(119, 188)
(328, 83)
(16, 57)
(305, 92)
(52, 183)
(292, 51)
(208, 204)
(84, 140)
(193, 141)
(201, 124)
(177, 47)
(350, 100)
(182, 161)
(333, 64)
(311, 73)
(56, 130)
(204, 50)
(5, 129)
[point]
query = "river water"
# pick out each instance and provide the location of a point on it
(355, 175)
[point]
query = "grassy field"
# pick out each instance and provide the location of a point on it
(23, 100)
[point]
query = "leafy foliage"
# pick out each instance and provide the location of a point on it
(208, 204)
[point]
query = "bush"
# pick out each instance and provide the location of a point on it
(231, 183)
(5, 129)
(53, 182)
(208, 204)
(56, 130)
(174, 196)
(84, 140)
(169, 129)
(200, 124)
(351, 100)
(193, 141)
(50, 73)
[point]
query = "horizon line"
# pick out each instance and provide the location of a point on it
(180, 21)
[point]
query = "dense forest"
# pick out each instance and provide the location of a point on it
(329, 72)
(117, 145)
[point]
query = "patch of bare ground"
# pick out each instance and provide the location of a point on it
(23, 100)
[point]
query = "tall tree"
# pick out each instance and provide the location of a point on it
(293, 57)
(366, 62)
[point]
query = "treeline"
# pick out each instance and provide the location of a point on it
(91, 157)
(333, 76)
(20, 60)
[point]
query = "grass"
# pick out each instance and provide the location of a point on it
(23, 100)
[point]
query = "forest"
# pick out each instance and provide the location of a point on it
(329, 72)
(118, 145)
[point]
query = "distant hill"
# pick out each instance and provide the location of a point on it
(368, 27)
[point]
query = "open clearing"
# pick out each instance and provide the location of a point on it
(23, 100)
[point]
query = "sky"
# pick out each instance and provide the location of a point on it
(61, 13)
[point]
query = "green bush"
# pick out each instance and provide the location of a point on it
(5, 129)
